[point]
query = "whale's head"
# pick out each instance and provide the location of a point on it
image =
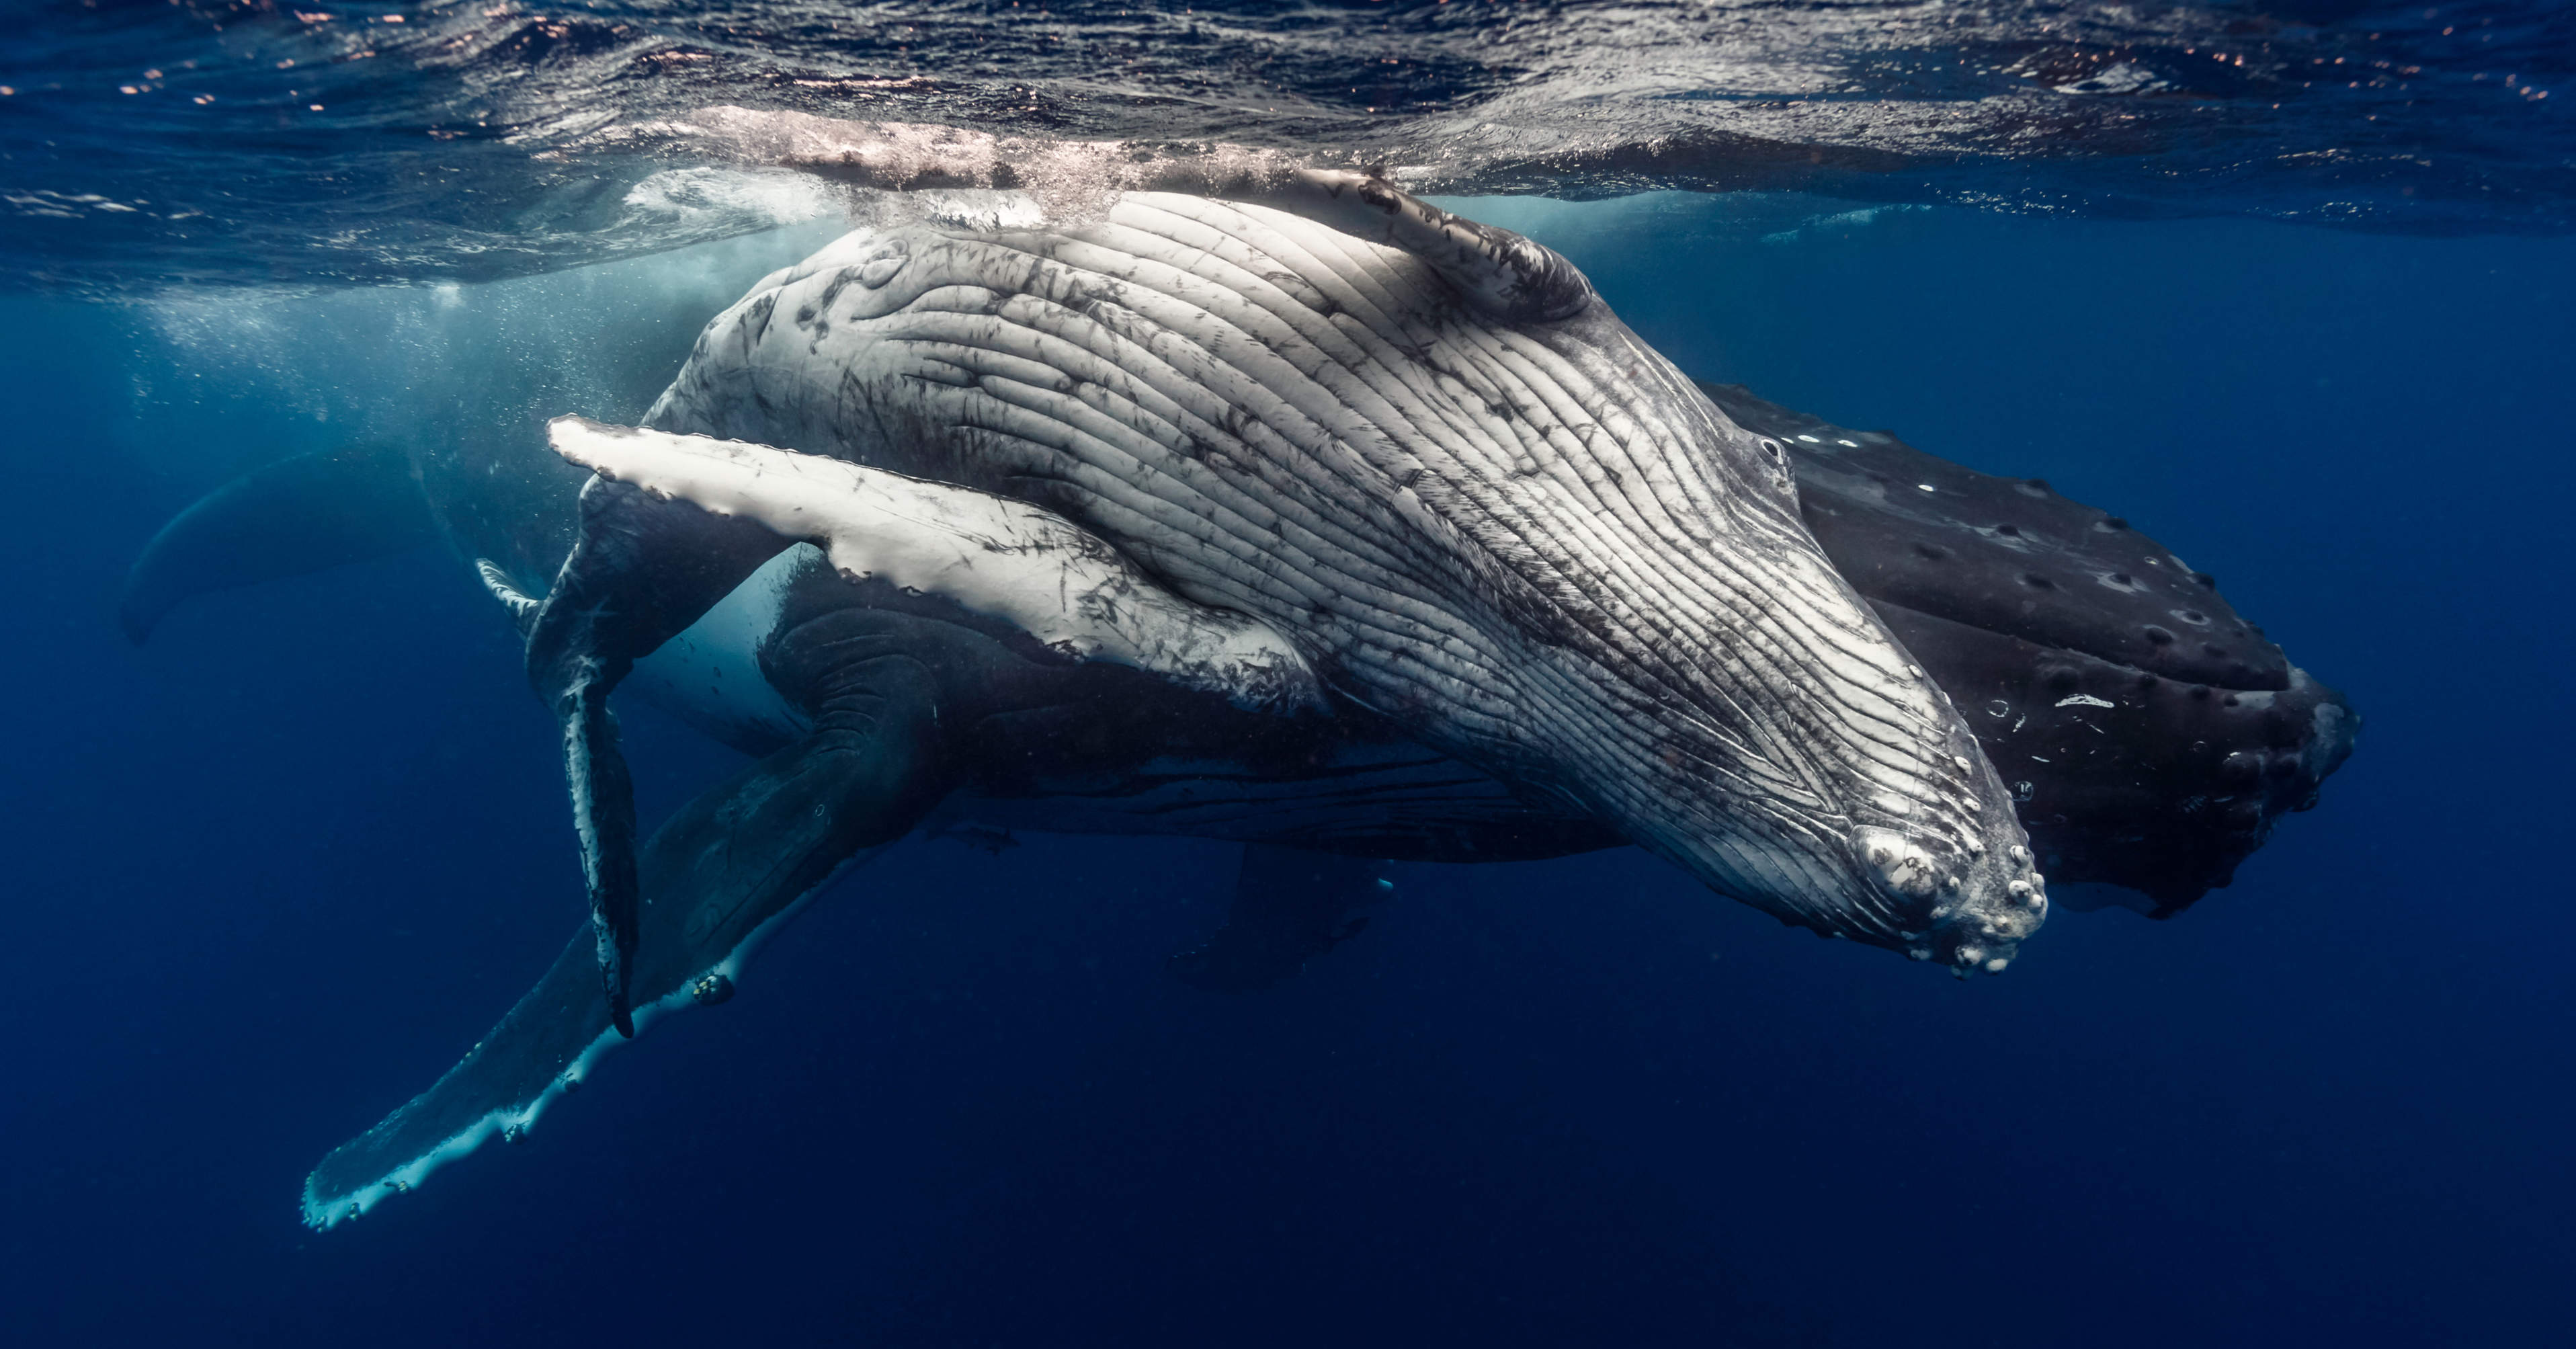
(1686, 664)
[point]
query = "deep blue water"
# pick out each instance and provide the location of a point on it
(272, 873)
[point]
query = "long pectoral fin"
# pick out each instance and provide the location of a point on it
(711, 884)
(306, 514)
(603, 818)
(674, 522)
(1016, 566)
(642, 569)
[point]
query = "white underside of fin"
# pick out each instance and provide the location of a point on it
(993, 556)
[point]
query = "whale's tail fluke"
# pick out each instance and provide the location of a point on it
(306, 514)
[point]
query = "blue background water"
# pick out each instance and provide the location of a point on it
(273, 873)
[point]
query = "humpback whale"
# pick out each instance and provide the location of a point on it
(1326, 521)
(1428, 457)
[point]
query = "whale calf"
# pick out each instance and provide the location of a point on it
(1223, 519)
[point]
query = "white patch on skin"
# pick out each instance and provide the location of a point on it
(2082, 700)
(1897, 863)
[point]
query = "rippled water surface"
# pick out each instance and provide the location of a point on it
(143, 141)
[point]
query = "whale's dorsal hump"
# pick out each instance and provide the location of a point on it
(1504, 274)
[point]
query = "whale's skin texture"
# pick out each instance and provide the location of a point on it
(2150, 734)
(1532, 545)
(2120, 775)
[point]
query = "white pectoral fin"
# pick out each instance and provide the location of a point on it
(1004, 560)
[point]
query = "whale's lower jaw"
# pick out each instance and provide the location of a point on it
(1534, 545)
(1798, 762)
(1788, 755)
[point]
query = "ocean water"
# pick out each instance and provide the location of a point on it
(274, 871)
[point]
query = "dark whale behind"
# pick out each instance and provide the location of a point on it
(2150, 734)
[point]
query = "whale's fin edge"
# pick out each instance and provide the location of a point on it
(504, 588)
(553, 1038)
